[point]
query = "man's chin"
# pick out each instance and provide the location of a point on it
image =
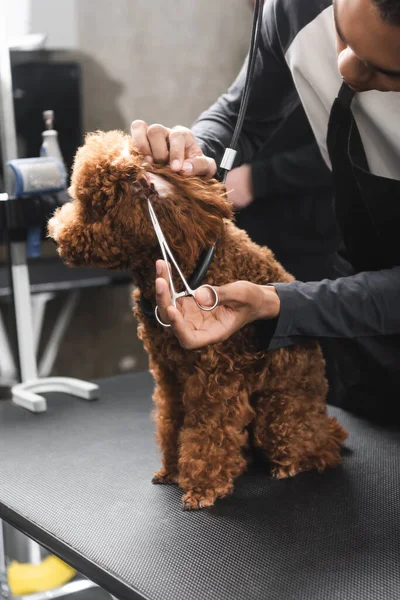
(360, 89)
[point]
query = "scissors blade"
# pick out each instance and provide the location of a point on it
(165, 249)
(156, 224)
(160, 236)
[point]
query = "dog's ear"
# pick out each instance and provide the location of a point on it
(83, 243)
(102, 169)
(87, 229)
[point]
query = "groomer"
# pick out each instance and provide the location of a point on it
(344, 61)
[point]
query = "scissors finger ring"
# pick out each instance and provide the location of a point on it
(216, 298)
(159, 320)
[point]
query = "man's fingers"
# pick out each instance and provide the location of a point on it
(163, 293)
(203, 166)
(177, 146)
(157, 136)
(163, 299)
(139, 135)
(185, 153)
(186, 335)
(163, 270)
(178, 141)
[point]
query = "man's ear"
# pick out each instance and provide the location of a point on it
(80, 243)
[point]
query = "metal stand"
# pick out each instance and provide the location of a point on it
(73, 587)
(8, 369)
(27, 393)
(60, 327)
(4, 589)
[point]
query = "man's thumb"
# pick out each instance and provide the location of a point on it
(206, 297)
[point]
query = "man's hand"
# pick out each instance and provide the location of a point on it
(240, 187)
(177, 147)
(240, 303)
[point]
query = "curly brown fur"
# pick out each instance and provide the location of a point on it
(215, 404)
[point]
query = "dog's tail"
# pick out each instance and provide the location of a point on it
(337, 433)
(328, 455)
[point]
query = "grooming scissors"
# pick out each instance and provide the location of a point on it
(167, 253)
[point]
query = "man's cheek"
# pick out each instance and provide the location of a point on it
(340, 46)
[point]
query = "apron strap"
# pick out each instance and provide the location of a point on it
(345, 95)
(357, 231)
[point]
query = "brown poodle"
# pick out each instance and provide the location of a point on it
(214, 405)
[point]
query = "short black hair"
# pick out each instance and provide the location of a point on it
(389, 10)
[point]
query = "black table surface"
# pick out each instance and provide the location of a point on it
(78, 480)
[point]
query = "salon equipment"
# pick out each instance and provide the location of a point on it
(167, 254)
(50, 146)
(37, 176)
(230, 153)
(27, 393)
(41, 81)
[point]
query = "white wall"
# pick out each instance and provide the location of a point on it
(56, 18)
(160, 60)
(18, 14)
(165, 60)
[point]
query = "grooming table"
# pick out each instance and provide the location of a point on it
(77, 480)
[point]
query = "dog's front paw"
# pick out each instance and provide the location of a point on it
(283, 472)
(195, 500)
(164, 477)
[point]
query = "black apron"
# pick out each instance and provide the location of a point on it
(364, 373)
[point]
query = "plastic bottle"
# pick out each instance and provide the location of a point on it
(50, 146)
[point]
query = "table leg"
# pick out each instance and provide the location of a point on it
(4, 589)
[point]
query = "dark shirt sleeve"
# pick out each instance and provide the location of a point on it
(273, 98)
(287, 172)
(363, 305)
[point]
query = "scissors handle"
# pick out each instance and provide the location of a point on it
(159, 320)
(216, 298)
(192, 293)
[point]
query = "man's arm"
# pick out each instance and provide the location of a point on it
(359, 306)
(363, 305)
(272, 98)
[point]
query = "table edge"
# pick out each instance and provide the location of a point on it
(110, 583)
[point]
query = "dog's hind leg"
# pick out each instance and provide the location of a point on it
(294, 439)
(292, 427)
